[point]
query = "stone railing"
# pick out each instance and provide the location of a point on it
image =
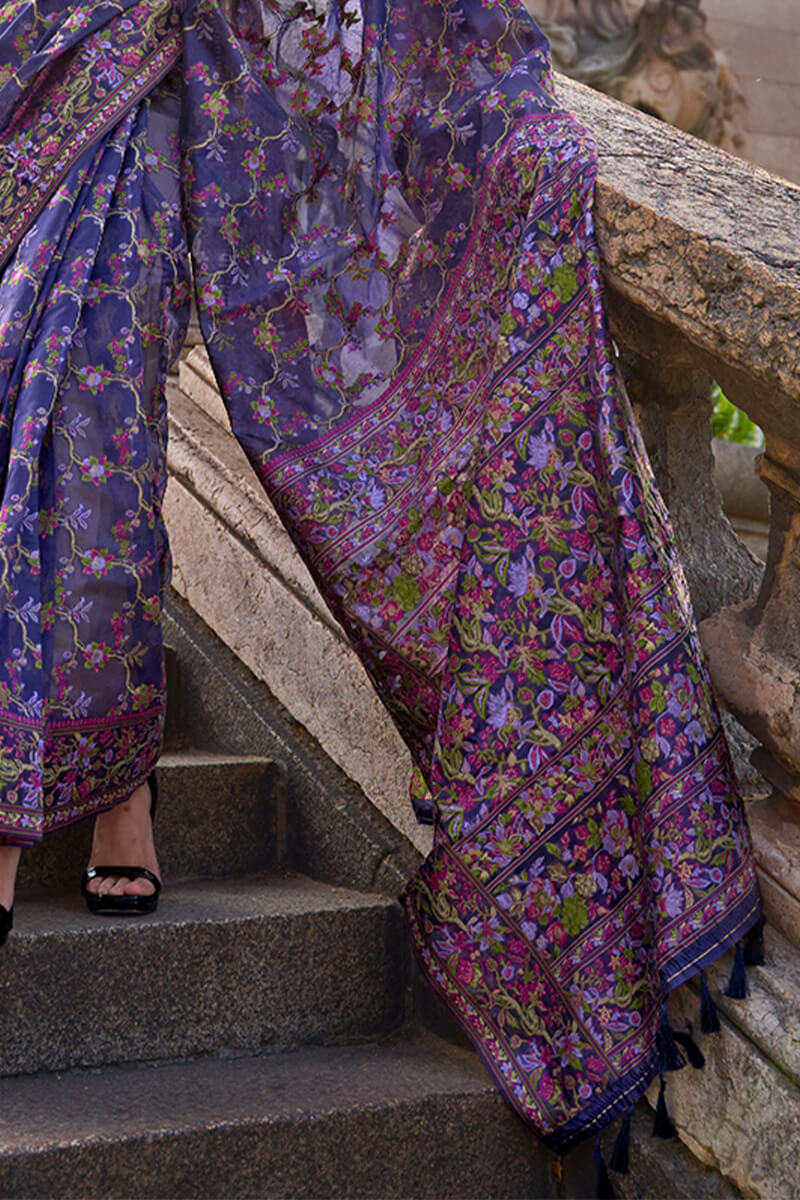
(702, 266)
(700, 252)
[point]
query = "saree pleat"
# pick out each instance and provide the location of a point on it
(92, 307)
(390, 227)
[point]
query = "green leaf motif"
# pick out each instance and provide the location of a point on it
(593, 841)
(565, 282)
(405, 592)
(508, 323)
(574, 915)
(644, 779)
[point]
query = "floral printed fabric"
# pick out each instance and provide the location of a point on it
(391, 234)
(93, 304)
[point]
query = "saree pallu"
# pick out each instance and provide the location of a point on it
(390, 231)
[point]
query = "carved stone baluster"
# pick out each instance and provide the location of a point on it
(669, 384)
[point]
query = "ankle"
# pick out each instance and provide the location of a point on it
(140, 799)
(9, 861)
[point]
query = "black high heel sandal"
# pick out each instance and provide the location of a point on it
(124, 906)
(6, 923)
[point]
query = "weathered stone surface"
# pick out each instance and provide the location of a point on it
(768, 1016)
(741, 1113)
(743, 493)
(633, 51)
(705, 242)
(234, 965)
(761, 687)
(236, 567)
(663, 1169)
(775, 826)
(334, 832)
(776, 773)
(671, 394)
(197, 381)
(781, 908)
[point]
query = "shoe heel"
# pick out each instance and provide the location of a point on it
(152, 783)
(6, 922)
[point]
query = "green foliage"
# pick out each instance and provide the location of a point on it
(731, 424)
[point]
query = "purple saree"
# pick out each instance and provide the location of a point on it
(390, 232)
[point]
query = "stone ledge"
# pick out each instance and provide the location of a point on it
(223, 966)
(235, 565)
(411, 1117)
(702, 241)
(209, 461)
(768, 1016)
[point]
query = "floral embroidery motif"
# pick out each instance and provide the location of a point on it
(390, 225)
(60, 111)
(84, 350)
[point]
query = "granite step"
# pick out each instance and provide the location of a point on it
(411, 1117)
(232, 965)
(218, 815)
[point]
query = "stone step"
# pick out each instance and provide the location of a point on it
(217, 815)
(775, 826)
(334, 832)
(412, 1117)
(223, 965)
(741, 1113)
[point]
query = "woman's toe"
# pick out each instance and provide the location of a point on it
(139, 887)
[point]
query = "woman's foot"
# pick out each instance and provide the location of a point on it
(124, 836)
(9, 861)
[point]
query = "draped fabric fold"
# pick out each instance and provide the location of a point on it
(390, 228)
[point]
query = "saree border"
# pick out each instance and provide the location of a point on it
(627, 1089)
(280, 461)
(104, 115)
(133, 758)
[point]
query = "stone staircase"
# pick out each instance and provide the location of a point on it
(255, 1036)
(263, 1033)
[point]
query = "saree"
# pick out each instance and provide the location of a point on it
(386, 219)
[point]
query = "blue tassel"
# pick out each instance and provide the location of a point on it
(709, 1017)
(605, 1189)
(662, 1124)
(620, 1153)
(669, 1056)
(693, 1052)
(737, 984)
(754, 946)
